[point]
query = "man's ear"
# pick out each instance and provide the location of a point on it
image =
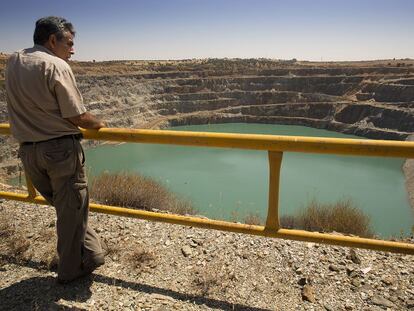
(52, 40)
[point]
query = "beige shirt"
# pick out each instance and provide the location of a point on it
(41, 92)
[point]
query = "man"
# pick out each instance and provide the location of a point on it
(45, 110)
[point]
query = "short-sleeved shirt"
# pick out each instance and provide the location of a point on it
(41, 94)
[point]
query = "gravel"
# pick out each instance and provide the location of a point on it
(155, 266)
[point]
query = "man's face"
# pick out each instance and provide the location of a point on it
(62, 48)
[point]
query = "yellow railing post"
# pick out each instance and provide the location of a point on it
(30, 188)
(275, 161)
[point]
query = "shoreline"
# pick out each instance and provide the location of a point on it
(408, 166)
(408, 169)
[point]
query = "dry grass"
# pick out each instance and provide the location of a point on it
(15, 244)
(141, 259)
(213, 279)
(113, 249)
(6, 227)
(253, 219)
(342, 216)
(18, 246)
(206, 284)
(132, 190)
(12, 240)
(135, 191)
(288, 221)
(48, 257)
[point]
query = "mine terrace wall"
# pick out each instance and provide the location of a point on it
(368, 99)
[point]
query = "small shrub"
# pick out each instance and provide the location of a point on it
(142, 258)
(212, 279)
(6, 228)
(234, 216)
(253, 219)
(181, 207)
(48, 258)
(136, 191)
(16, 244)
(206, 283)
(288, 221)
(342, 216)
(113, 249)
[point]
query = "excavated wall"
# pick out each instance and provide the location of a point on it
(370, 100)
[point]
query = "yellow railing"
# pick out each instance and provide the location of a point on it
(275, 145)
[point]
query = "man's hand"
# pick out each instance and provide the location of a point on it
(87, 121)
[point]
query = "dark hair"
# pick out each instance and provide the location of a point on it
(50, 25)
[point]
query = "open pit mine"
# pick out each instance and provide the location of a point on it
(370, 99)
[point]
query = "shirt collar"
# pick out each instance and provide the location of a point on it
(43, 49)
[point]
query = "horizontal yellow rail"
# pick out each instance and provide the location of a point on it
(276, 145)
(297, 235)
(363, 147)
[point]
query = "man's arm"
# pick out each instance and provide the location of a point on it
(87, 121)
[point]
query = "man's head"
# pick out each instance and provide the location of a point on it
(56, 34)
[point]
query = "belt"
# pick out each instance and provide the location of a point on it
(78, 136)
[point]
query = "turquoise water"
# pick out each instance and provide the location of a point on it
(230, 183)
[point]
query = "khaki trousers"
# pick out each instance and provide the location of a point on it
(56, 168)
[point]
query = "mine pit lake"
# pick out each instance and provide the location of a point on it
(230, 184)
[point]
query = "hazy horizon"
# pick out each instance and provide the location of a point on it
(319, 30)
(234, 58)
(229, 58)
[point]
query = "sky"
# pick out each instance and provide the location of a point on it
(316, 30)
